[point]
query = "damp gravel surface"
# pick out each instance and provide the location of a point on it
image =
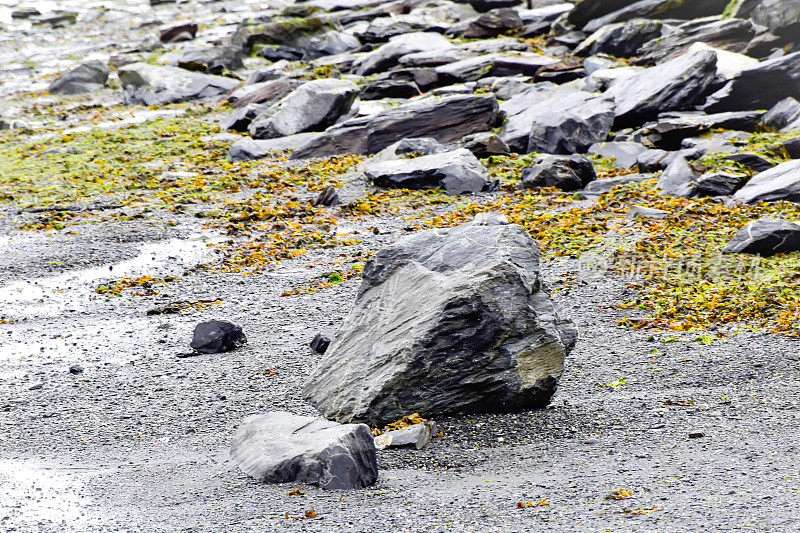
(702, 436)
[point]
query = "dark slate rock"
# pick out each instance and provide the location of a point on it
(181, 32)
(313, 106)
(752, 161)
(779, 183)
(214, 60)
(247, 149)
(566, 172)
(765, 237)
(484, 145)
(324, 43)
(240, 119)
(658, 9)
(387, 55)
(569, 123)
(84, 78)
(792, 147)
(599, 186)
(326, 198)
(381, 29)
(654, 160)
(677, 179)
(217, 336)
(783, 115)
(670, 129)
(320, 343)
(423, 78)
(492, 24)
(456, 172)
(520, 111)
(760, 87)
(780, 17)
(498, 64)
(280, 447)
(672, 86)
(412, 145)
(75, 369)
(730, 34)
(464, 323)
(623, 154)
(446, 119)
(276, 52)
(601, 80)
(155, 85)
(718, 184)
(380, 89)
(622, 39)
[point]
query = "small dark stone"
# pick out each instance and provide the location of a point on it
(792, 147)
(327, 197)
(76, 369)
(765, 237)
(320, 343)
(216, 336)
(484, 145)
(276, 52)
(181, 32)
(718, 184)
(380, 89)
(567, 172)
(696, 435)
(753, 161)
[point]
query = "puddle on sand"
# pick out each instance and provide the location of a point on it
(33, 497)
(71, 291)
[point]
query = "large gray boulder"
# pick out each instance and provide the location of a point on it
(520, 111)
(759, 87)
(445, 321)
(569, 123)
(280, 447)
(765, 237)
(672, 86)
(155, 85)
(456, 172)
(778, 183)
(84, 78)
(445, 119)
(313, 106)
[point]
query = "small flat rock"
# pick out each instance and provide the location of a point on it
(765, 237)
(456, 172)
(778, 183)
(598, 187)
(246, 148)
(320, 343)
(216, 336)
(718, 183)
(566, 172)
(416, 435)
(484, 145)
(280, 447)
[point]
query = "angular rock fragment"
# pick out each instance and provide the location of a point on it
(671, 86)
(246, 149)
(677, 179)
(622, 39)
(445, 119)
(280, 447)
(326, 198)
(386, 56)
(570, 123)
(492, 24)
(649, 9)
(565, 172)
(640, 211)
(415, 435)
(456, 172)
(498, 64)
(84, 78)
(784, 116)
(484, 145)
(213, 60)
(759, 87)
(718, 183)
(320, 343)
(766, 237)
(779, 183)
(463, 325)
(217, 336)
(731, 34)
(155, 85)
(599, 186)
(379, 89)
(406, 147)
(313, 106)
(181, 32)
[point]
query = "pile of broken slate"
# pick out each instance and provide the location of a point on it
(458, 320)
